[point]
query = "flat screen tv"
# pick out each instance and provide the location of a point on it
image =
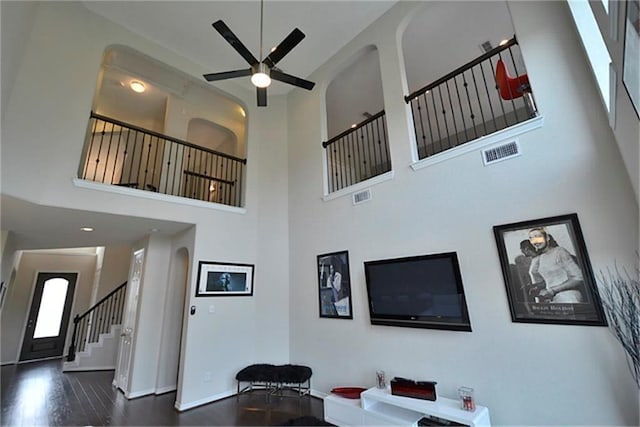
(418, 292)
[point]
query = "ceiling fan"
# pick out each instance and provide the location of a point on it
(263, 70)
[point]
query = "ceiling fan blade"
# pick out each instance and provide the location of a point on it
(234, 41)
(284, 47)
(292, 80)
(262, 96)
(227, 75)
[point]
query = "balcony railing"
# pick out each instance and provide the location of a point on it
(466, 104)
(358, 154)
(123, 154)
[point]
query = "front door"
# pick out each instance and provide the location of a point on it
(129, 323)
(49, 316)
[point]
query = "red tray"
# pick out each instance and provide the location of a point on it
(348, 392)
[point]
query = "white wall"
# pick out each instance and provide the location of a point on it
(45, 126)
(115, 268)
(243, 330)
(525, 373)
(17, 19)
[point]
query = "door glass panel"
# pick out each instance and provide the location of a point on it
(49, 320)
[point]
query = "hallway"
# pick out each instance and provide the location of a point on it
(40, 393)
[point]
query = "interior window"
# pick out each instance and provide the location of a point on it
(594, 46)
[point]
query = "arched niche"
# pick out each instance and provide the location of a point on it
(432, 48)
(171, 100)
(354, 93)
(207, 134)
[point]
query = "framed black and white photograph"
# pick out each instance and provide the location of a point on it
(631, 60)
(334, 285)
(547, 272)
(224, 279)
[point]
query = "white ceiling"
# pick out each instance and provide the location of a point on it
(45, 227)
(185, 27)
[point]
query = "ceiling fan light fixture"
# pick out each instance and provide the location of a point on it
(260, 77)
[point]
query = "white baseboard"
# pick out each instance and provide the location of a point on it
(318, 394)
(184, 406)
(137, 394)
(88, 368)
(166, 389)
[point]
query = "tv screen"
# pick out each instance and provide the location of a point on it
(420, 292)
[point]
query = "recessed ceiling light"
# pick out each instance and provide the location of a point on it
(354, 126)
(137, 86)
(86, 229)
(503, 42)
(154, 230)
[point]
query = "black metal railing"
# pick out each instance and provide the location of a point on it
(466, 104)
(358, 154)
(123, 154)
(97, 320)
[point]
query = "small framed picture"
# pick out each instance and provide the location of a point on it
(547, 272)
(334, 285)
(224, 279)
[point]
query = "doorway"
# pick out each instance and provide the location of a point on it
(48, 319)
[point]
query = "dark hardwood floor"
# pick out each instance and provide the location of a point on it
(40, 394)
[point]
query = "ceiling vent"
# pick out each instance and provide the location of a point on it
(501, 152)
(362, 196)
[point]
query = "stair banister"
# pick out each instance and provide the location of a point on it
(114, 312)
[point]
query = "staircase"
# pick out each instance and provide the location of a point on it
(96, 334)
(97, 356)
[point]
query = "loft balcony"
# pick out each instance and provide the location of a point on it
(122, 154)
(473, 101)
(487, 95)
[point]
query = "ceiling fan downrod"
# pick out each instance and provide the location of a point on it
(261, 74)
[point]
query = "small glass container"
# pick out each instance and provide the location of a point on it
(466, 399)
(381, 381)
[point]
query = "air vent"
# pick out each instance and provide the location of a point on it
(501, 152)
(362, 196)
(486, 46)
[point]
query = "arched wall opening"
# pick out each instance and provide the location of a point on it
(172, 326)
(355, 93)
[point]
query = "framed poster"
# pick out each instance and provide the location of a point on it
(334, 291)
(547, 272)
(224, 279)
